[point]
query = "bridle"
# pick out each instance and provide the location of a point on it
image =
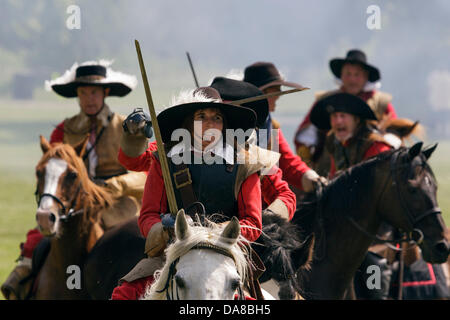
(415, 235)
(203, 245)
(65, 212)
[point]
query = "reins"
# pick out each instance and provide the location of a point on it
(414, 236)
(67, 212)
(202, 245)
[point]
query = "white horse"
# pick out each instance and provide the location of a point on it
(204, 263)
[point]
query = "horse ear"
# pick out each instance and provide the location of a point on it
(232, 230)
(80, 148)
(303, 255)
(415, 150)
(45, 145)
(428, 151)
(182, 230)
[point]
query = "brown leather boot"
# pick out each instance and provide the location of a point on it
(14, 288)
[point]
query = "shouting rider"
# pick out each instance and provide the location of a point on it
(350, 141)
(354, 76)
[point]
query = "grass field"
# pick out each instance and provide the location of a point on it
(20, 126)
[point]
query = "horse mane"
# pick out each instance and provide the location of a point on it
(91, 198)
(343, 194)
(199, 233)
(403, 128)
(279, 238)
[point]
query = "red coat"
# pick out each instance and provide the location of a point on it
(292, 165)
(364, 95)
(154, 202)
(58, 133)
(272, 186)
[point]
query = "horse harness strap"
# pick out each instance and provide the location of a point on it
(199, 246)
(67, 212)
(412, 219)
(415, 235)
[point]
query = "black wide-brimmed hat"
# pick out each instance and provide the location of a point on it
(231, 90)
(92, 74)
(339, 102)
(264, 75)
(172, 118)
(354, 56)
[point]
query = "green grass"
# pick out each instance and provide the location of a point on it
(21, 124)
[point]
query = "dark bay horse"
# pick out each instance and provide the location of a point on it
(396, 187)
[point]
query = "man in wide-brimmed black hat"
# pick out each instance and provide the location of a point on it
(268, 79)
(91, 82)
(349, 140)
(354, 76)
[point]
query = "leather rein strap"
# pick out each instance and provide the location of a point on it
(199, 246)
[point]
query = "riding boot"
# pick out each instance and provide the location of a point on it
(19, 283)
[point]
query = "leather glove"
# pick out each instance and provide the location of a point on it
(311, 181)
(138, 123)
(157, 239)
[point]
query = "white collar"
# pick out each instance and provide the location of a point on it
(226, 153)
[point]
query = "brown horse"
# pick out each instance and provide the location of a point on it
(396, 187)
(68, 213)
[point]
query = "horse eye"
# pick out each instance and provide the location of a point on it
(180, 282)
(72, 175)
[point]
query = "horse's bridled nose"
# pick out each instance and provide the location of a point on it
(45, 219)
(442, 246)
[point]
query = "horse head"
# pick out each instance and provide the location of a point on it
(412, 201)
(397, 130)
(64, 188)
(203, 263)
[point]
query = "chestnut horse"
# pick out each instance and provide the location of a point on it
(396, 187)
(68, 214)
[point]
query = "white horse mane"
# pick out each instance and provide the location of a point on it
(210, 234)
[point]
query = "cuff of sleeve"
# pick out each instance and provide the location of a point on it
(278, 207)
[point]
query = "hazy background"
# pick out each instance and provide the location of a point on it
(411, 50)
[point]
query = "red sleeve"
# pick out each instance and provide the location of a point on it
(391, 111)
(58, 133)
(302, 125)
(376, 148)
(34, 236)
(131, 290)
(249, 206)
(274, 187)
(292, 165)
(139, 163)
(154, 199)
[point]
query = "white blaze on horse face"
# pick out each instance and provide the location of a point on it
(53, 171)
(206, 275)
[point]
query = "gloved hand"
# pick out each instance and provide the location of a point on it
(138, 123)
(311, 181)
(168, 220)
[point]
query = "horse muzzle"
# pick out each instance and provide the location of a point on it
(46, 221)
(437, 252)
